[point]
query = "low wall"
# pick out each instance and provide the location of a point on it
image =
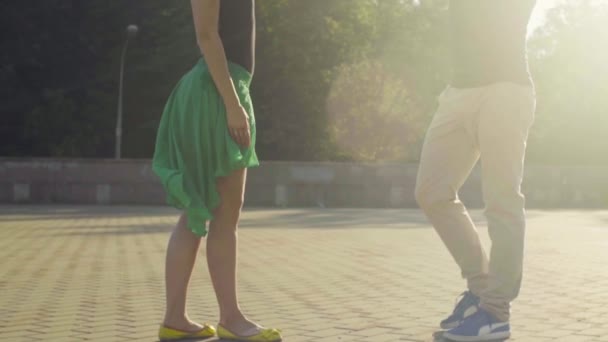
(282, 184)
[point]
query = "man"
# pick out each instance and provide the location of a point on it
(484, 114)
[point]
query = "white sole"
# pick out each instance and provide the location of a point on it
(492, 337)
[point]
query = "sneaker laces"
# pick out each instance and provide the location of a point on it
(463, 302)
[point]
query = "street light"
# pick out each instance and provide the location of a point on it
(131, 33)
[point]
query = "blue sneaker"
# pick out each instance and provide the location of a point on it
(465, 308)
(481, 326)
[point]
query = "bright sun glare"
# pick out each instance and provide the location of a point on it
(538, 17)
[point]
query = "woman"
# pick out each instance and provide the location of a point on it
(205, 143)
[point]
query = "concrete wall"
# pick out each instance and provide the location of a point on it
(283, 184)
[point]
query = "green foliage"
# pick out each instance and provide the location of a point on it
(318, 43)
(568, 61)
(335, 80)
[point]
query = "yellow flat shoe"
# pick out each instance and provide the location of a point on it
(266, 335)
(168, 334)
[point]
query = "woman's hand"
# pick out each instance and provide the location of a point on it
(238, 125)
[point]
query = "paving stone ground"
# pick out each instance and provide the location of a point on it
(76, 273)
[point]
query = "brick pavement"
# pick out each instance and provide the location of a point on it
(96, 274)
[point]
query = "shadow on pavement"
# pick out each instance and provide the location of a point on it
(74, 212)
(255, 218)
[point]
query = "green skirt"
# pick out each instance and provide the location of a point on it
(193, 146)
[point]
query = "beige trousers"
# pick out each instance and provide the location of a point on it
(490, 122)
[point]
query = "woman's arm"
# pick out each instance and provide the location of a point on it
(206, 17)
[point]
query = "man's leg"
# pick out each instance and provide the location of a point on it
(448, 156)
(506, 115)
(505, 119)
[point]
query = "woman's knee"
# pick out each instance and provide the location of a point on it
(182, 227)
(232, 197)
(227, 214)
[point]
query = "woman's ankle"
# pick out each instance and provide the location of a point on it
(176, 321)
(232, 317)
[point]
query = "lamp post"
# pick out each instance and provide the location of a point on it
(131, 33)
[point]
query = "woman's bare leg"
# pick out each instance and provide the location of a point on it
(222, 253)
(181, 256)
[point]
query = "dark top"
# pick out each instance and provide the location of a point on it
(489, 41)
(237, 31)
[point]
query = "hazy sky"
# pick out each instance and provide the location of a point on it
(541, 7)
(539, 14)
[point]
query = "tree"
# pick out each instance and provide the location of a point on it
(325, 88)
(380, 106)
(568, 61)
(335, 80)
